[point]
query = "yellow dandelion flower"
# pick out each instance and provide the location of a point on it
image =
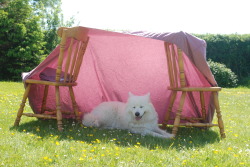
(236, 135)
(90, 158)
(235, 155)
(138, 143)
(103, 155)
(229, 148)
(45, 158)
(80, 159)
(24, 130)
(190, 142)
(57, 143)
(215, 151)
(242, 163)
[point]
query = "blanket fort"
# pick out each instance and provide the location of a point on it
(117, 63)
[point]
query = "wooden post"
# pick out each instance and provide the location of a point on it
(178, 113)
(203, 109)
(20, 111)
(171, 103)
(58, 110)
(219, 116)
(45, 94)
(75, 107)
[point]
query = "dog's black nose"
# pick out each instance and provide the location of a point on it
(137, 114)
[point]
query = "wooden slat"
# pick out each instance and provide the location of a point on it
(80, 58)
(193, 89)
(39, 115)
(181, 69)
(170, 67)
(198, 124)
(74, 62)
(68, 61)
(175, 71)
(33, 81)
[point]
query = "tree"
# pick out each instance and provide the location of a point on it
(27, 34)
(21, 39)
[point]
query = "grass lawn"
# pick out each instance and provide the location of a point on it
(38, 143)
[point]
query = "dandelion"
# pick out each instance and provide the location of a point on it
(45, 158)
(235, 155)
(215, 151)
(190, 142)
(80, 159)
(236, 135)
(242, 163)
(229, 148)
(57, 143)
(24, 130)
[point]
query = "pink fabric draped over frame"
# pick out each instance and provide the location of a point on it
(117, 63)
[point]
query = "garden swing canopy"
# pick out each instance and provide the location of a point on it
(117, 63)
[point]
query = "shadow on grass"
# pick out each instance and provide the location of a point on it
(187, 138)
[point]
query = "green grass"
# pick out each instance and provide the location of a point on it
(38, 143)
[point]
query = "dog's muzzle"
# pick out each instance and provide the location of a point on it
(137, 116)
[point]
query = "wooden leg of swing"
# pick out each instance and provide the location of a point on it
(219, 116)
(74, 104)
(20, 111)
(170, 107)
(178, 114)
(58, 110)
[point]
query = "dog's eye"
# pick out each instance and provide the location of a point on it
(141, 106)
(134, 107)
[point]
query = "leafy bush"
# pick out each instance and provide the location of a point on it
(223, 75)
(233, 50)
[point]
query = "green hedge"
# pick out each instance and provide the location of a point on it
(232, 50)
(223, 75)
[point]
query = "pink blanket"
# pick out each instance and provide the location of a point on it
(117, 63)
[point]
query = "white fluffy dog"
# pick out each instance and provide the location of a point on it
(138, 115)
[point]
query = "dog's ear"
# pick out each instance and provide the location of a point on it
(130, 94)
(148, 97)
